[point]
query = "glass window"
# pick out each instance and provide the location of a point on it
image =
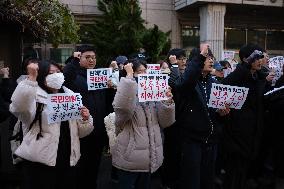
(257, 37)
(275, 40)
(235, 38)
(60, 55)
(190, 36)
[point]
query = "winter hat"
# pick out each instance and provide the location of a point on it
(121, 59)
(217, 66)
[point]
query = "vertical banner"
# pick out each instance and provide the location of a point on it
(233, 96)
(153, 69)
(152, 87)
(97, 78)
(63, 106)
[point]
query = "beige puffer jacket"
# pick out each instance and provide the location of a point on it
(43, 150)
(139, 144)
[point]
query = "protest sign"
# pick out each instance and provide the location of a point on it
(228, 55)
(152, 87)
(153, 69)
(63, 106)
(276, 64)
(233, 96)
(98, 78)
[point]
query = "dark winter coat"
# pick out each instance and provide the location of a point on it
(95, 101)
(243, 132)
(197, 121)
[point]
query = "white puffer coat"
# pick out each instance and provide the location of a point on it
(138, 146)
(43, 150)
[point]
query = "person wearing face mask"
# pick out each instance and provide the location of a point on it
(50, 151)
(138, 150)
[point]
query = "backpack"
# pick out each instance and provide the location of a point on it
(111, 129)
(17, 136)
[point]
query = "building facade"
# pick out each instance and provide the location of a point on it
(224, 24)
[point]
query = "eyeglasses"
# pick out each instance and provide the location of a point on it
(183, 59)
(211, 58)
(89, 57)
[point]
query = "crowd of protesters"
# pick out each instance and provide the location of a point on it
(189, 144)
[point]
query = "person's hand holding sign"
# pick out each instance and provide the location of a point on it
(84, 113)
(169, 94)
(225, 111)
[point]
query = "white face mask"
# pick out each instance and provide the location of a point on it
(55, 80)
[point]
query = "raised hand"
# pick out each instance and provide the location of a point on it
(32, 69)
(204, 49)
(129, 70)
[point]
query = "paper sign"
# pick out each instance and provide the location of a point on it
(97, 78)
(276, 64)
(64, 106)
(153, 69)
(228, 55)
(233, 96)
(152, 87)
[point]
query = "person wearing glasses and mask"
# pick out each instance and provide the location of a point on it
(91, 146)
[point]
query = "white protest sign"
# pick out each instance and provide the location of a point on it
(97, 78)
(228, 55)
(115, 78)
(153, 69)
(233, 96)
(227, 71)
(152, 87)
(276, 64)
(63, 106)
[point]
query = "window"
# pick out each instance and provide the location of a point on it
(275, 40)
(190, 36)
(256, 37)
(60, 55)
(234, 38)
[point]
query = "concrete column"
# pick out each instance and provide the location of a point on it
(212, 27)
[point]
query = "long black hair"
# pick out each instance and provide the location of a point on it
(137, 63)
(43, 71)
